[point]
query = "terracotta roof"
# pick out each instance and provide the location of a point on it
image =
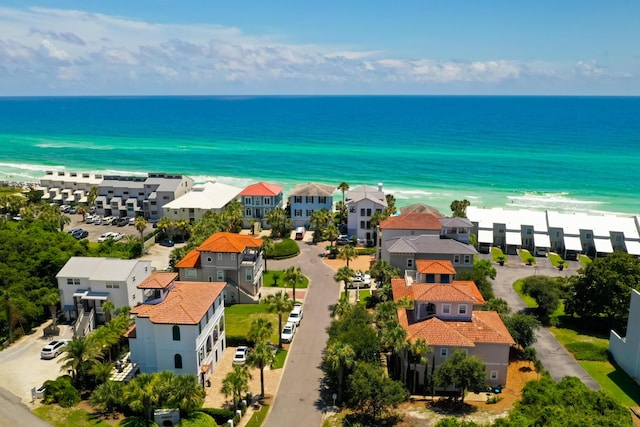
(471, 286)
(185, 304)
(229, 242)
(484, 327)
(400, 289)
(262, 189)
(412, 221)
(458, 291)
(131, 332)
(191, 260)
(435, 266)
(158, 281)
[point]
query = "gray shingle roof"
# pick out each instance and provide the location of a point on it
(456, 222)
(313, 189)
(427, 244)
(366, 192)
(107, 269)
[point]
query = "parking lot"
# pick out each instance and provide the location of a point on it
(95, 231)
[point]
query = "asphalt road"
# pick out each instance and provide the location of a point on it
(558, 361)
(14, 413)
(301, 398)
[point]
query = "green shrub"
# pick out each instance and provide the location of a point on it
(287, 248)
(237, 340)
(494, 399)
(221, 416)
(366, 251)
(61, 391)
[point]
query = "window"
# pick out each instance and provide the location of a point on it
(220, 275)
(444, 352)
(369, 212)
(176, 332)
(529, 231)
(362, 211)
(247, 212)
(445, 278)
(267, 201)
(248, 274)
(191, 273)
(352, 209)
(258, 200)
(75, 282)
(410, 263)
(368, 225)
(177, 361)
(467, 259)
(363, 224)
(309, 212)
(462, 309)
(219, 256)
(247, 200)
(113, 285)
(209, 259)
(309, 199)
(456, 259)
(493, 375)
(446, 308)
(588, 236)
(297, 212)
(233, 257)
(322, 200)
(430, 278)
(297, 199)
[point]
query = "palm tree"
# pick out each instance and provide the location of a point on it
(279, 222)
(108, 308)
(385, 312)
(107, 397)
(341, 308)
(165, 225)
(51, 299)
(340, 356)
(279, 303)
(344, 187)
(186, 394)
(376, 218)
(347, 253)
(140, 223)
(261, 356)
(82, 210)
(383, 272)
(92, 195)
(260, 330)
(236, 382)
(331, 233)
(141, 394)
(391, 205)
(293, 276)
(101, 372)
(344, 274)
(78, 356)
(419, 349)
(232, 216)
(268, 245)
(394, 338)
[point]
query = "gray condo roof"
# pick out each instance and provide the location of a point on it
(456, 222)
(366, 192)
(313, 189)
(101, 269)
(427, 244)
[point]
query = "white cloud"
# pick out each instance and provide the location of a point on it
(103, 52)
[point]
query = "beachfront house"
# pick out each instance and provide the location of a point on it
(227, 257)
(208, 197)
(304, 199)
(180, 329)
(626, 350)
(445, 314)
(361, 203)
(67, 187)
(404, 251)
(258, 200)
(86, 283)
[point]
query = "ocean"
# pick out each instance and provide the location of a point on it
(578, 154)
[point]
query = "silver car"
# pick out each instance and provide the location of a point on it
(53, 349)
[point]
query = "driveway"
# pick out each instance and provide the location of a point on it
(300, 398)
(558, 361)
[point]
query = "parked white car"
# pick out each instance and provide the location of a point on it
(295, 316)
(53, 349)
(88, 219)
(240, 356)
(110, 235)
(287, 332)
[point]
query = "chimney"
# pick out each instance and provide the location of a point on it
(380, 186)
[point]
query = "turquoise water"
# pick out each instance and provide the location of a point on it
(567, 153)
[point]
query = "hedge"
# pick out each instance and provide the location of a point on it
(221, 416)
(287, 248)
(237, 340)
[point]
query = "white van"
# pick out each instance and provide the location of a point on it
(300, 233)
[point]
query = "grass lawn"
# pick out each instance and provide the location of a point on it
(258, 417)
(68, 417)
(239, 317)
(364, 293)
(591, 353)
(281, 356)
(197, 419)
(585, 260)
(496, 253)
(528, 301)
(526, 256)
(268, 280)
(555, 259)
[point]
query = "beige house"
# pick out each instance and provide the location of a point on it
(227, 257)
(445, 315)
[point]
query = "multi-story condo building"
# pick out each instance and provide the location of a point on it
(208, 197)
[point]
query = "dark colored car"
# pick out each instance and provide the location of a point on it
(79, 233)
(167, 242)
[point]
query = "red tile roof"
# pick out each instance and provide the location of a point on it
(158, 281)
(229, 242)
(412, 221)
(185, 304)
(458, 291)
(435, 266)
(191, 260)
(262, 189)
(470, 285)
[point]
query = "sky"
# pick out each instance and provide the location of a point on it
(329, 47)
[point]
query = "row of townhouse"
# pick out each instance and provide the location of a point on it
(568, 234)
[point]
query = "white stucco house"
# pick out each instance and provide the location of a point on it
(626, 350)
(181, 328)
(304, 199)
(208, 197)
(361, 203)
(86, 283)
